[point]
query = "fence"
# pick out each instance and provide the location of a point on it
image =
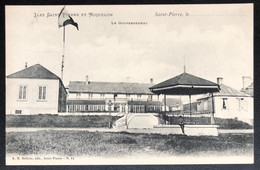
(196, 118)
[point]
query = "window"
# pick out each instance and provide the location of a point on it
(123, 109)
(22, 92)
(78, 95)
(128, 96)
(90, 95)
(102, 107)
(102, 95)
(205, 105)
(150, 97)
(18, 112)
(242, 104)
(224, 103)
(42, 93)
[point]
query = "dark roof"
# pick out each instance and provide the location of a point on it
(36, 71)
(185, 84)
(229, 91)
(109, 87)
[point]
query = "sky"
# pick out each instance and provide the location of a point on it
(213, 40)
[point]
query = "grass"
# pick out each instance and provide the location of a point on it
(58, 121)
(97, 121)
(81, 143)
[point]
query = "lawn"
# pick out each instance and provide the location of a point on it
(109, 144)
(95, 121)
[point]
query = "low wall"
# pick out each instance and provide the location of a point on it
(91, 114)
(190, 130)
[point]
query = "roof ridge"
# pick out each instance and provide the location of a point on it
(113, 82)
(181, 77)
(29, 72)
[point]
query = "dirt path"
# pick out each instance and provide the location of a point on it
(24, 129)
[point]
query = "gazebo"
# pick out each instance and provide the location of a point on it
(186, 84)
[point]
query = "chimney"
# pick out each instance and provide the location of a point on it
(219, 80)
(87, 81)
(246, 81)
(25, 64)
(151, 80)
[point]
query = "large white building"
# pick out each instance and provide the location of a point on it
(122, 97)
(35, 90)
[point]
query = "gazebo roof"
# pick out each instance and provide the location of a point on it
(185, 84)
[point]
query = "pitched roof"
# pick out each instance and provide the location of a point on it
(184, 79)
(185, 84)
(229, 91)
(109, 87)
(36, 71)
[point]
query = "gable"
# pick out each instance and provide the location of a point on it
(36, 71)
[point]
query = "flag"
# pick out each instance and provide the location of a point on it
(64, 19)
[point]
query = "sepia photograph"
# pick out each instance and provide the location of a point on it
(129, 84)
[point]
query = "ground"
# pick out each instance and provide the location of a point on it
(96, 121)
(109, 144)
(59, 141)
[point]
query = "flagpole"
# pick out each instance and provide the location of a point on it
(63, 54)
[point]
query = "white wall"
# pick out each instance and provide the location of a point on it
(31, 105)
(111, 96)
(233, 110)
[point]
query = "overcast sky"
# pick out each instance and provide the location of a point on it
(216, 40)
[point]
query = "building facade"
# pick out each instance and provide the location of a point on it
(35, 90)
(122, 97)
(228, 103)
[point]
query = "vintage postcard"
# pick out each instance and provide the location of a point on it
(129, 84)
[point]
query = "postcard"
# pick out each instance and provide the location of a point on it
(129, 84)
